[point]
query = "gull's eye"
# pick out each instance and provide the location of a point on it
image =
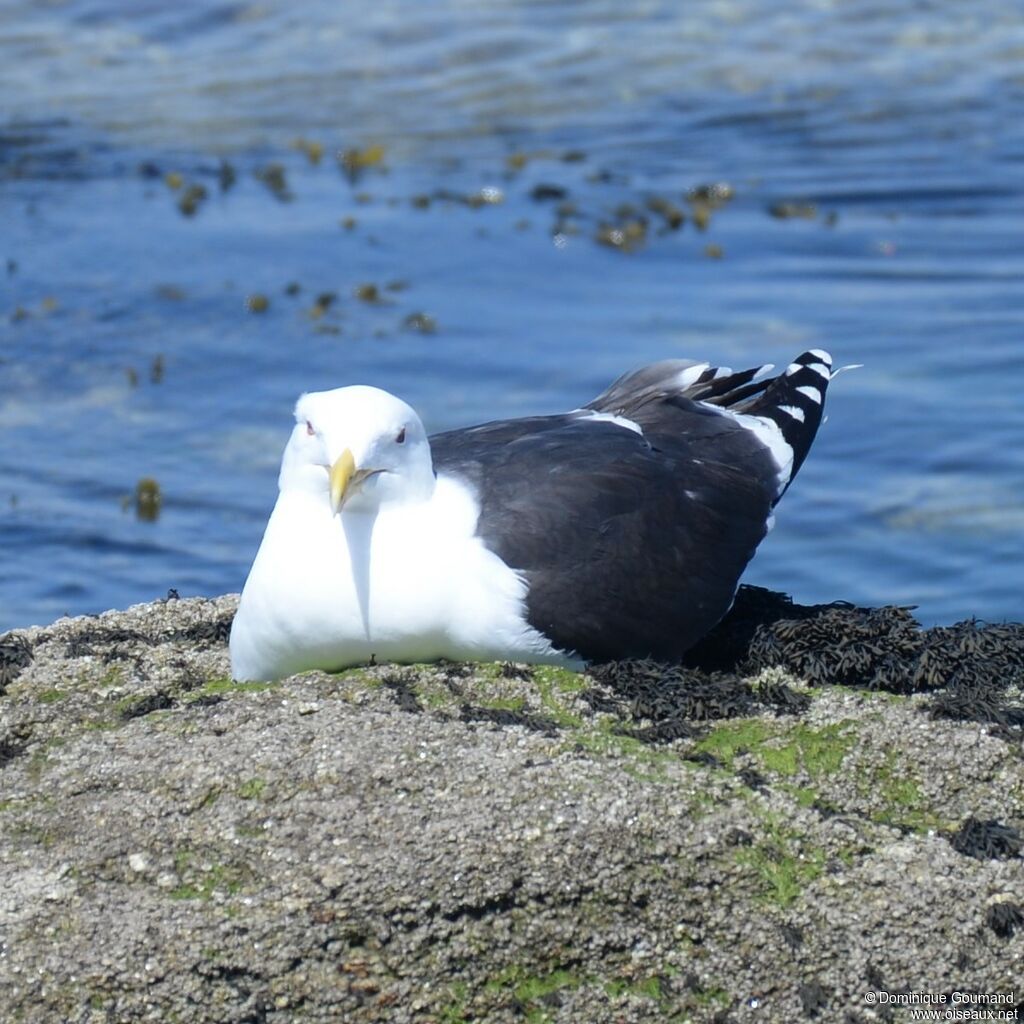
(309, 428)
(400, 439)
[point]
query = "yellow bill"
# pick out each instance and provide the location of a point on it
(341, 476)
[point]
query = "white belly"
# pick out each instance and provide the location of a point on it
(408, 584)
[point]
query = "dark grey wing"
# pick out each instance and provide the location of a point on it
(633, 537)
(632, 544)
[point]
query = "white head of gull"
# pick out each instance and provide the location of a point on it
(361, 447)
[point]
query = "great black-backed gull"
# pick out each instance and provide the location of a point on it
(618, 530)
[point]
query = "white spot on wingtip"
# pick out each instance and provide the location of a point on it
(820, 353)
(792, 410)
(819, 368)
(811, 392)
(688, 377)
(592, 416)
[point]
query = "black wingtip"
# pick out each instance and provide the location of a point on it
(794, 402)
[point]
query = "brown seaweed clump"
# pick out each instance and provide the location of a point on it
(148, 499)
(354, 162)
(970, 665)
(872, 648)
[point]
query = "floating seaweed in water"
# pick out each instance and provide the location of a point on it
(672, 215)
(369, 293)
(793, 210)
(626, 235)
(705, 199)
(545, 192)
(148, 499)
(191, 199)
(323, 303)
(489, 195)
(274, 177)
(355, 162)
(716, 194)
(312, 150)
(423, 323)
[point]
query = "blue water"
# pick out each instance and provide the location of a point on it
(899, 123)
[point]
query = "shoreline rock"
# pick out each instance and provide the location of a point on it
(457, 843)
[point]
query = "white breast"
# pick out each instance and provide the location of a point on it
(410, 583)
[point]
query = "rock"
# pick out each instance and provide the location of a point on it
(494, 843)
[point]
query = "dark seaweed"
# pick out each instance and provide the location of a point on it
(506, 717)
(971, 662)
(160, 701)
(1005, 918)
(665, 700)
(15, 655)
(986, 840)
(10, 749)
(212, 631)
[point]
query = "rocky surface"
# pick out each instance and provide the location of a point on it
(500, 843)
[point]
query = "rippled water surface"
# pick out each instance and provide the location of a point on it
(513, 178)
